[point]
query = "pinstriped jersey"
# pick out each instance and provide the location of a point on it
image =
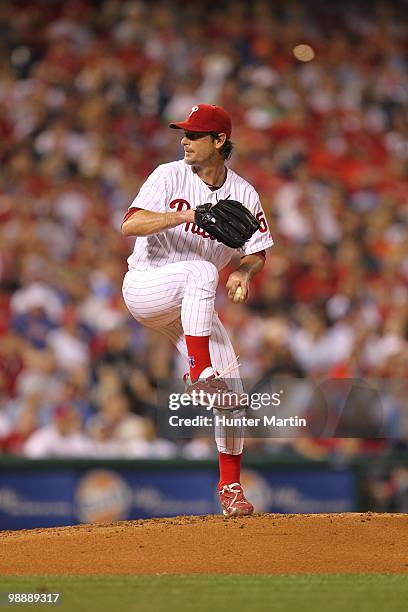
(175, 187)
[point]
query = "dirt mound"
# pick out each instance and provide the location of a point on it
(261, 544)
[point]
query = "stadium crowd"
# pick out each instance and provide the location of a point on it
(86, 92)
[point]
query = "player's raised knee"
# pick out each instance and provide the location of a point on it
(207, 271)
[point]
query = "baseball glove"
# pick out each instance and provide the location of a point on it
(228, 221)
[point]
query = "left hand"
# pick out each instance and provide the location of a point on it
(238, 286)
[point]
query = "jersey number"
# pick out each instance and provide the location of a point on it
(261, 218)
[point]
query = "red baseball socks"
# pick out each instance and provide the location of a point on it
(230, 469)
(198, 348)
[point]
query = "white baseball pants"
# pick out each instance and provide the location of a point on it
(178, 299)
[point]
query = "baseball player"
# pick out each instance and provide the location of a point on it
(173, 271)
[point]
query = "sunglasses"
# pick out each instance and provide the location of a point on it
(198, 135)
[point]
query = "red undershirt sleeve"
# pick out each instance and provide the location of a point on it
(130, 213)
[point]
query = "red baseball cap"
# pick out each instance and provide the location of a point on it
(206, 118)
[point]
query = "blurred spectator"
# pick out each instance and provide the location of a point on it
(118, 432)
(114, 422)
(61, 438)
(69, 342)
(26, 425)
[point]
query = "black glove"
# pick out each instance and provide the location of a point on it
(228, 221)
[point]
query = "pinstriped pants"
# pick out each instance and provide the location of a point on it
(178, 299)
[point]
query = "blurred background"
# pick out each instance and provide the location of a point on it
(86, 92)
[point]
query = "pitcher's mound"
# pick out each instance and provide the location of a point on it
(261, 544)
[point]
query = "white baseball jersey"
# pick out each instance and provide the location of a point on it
(175, 187)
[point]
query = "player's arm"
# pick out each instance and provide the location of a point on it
(147, 214)
(141, 222)
(238, 281)
(252, 262)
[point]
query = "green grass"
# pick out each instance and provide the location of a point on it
(303, 593)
